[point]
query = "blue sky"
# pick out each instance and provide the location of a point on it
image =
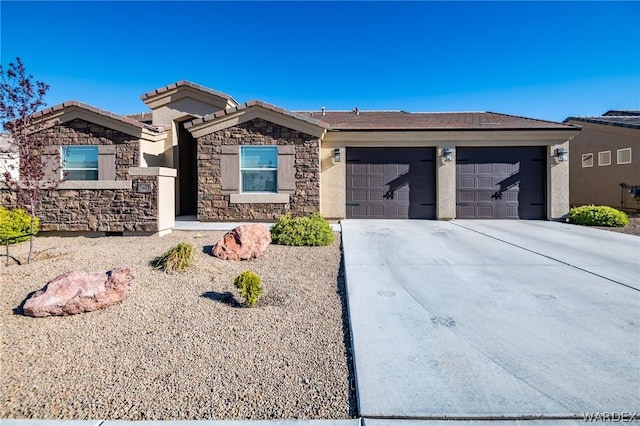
(546, 60)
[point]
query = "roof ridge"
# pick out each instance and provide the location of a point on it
(259, 103)
(186, 83)
(523, 117)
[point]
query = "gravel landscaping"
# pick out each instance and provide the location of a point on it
(180, 346)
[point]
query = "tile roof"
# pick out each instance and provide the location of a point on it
(185, 83)
(402, 120)
(97, 110)
(630, 112)
(240, 107)
(630, 119)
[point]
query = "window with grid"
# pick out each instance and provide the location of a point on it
(259, 168)
(79, 162)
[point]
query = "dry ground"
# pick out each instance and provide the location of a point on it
(180, 346)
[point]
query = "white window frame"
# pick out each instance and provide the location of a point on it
(64, 169)
(587, 157)
(262, 169)
(601, 156)
(618, 156)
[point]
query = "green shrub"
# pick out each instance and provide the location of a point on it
(598, 216)
(176, 259)
(16, 223)
(250, 287)
(302, 231)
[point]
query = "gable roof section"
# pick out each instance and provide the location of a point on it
(620, 118)
(186, 89)
(256, 109)
(402, 120)
(71, 110)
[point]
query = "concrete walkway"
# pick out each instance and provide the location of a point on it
(466, 320)
(190, 223)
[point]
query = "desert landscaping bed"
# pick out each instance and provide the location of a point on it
(180, 346)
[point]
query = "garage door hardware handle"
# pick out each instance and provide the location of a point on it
(353, 204)
(462, 204)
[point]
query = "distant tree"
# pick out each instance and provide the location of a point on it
(20, 98)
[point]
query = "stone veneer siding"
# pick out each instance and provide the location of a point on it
(82, 132)
(102, 210)
(213, 205)
(97, 210)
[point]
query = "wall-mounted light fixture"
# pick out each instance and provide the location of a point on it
(447, 154)
(562, 154)
(336, 155)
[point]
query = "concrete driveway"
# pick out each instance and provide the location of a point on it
(492, 319)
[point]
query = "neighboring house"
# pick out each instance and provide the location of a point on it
(200, 152)
(604, 167)
(9, 161)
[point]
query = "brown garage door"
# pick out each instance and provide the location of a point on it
(391, 183)
(501, 183)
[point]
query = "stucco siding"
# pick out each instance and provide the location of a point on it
(600, 184)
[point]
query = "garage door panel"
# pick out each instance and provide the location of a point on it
(483, 196)
(484, 182)
(359, 182)
(376, 182)
(402, 210)
(466, 182)
(501, 183)
(466, 196)
(466, 169)
(531, 197)
(376, 196)
(484, 211)
(376, 169)
(402, 196)
(511, 196)
(359, 169)
(358, 211)
(360, 195)
(484, 169)
(512, 212)
(398, 182)
(376, 210)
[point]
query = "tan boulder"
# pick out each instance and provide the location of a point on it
(243, 243)
(76, 292)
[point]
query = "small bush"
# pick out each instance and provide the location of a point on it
(598, 216)
(302, 231)
(176, 259)
(250, 287)
(16, 223)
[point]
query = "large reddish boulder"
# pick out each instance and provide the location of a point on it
(76, 292)
(243, 242)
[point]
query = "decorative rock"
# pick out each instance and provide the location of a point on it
(76, 292)
(243, 242)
